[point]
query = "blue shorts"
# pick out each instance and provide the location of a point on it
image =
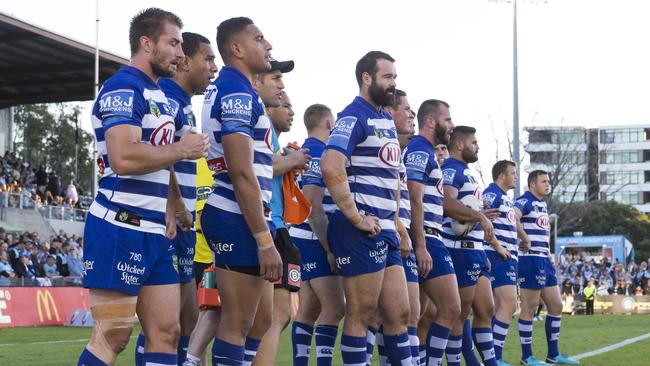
(503, 272)
(442, 263)
(230, 238)
(185, 242)
(356, 253)
(536, 272)
(313, 259)
(470, 264)
(410, 267)
(122, 259)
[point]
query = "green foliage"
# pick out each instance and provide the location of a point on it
(45, 134)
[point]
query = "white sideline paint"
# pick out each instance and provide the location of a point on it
(49, 342)
(611, 347)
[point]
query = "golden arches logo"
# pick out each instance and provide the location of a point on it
(45, 299)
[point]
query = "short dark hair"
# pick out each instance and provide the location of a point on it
(191, 43)
(500, 168)
(226, 31)
(399, 94)
(313, 115)
(150, 23)
(368, 63)
(459, 133)
(532, 176)
(427, 108)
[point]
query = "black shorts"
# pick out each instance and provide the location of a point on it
(198, 271)
(290, 261)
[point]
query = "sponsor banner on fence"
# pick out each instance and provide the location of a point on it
(34, 306)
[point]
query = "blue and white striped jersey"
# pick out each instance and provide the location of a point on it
(422, 167)
(535, 222)
(457, 174)
(181, 105)
(136, 202)
(404, 200)
(368, 138)
(505, 228)
(313, 176)
(232, 106)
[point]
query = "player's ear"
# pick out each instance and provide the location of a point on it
(146, 44)
(366, 78)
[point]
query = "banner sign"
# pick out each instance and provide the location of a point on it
(34, 306)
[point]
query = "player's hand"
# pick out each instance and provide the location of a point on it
(488, 264)
(184, 219)
(298, 158)
(524, 244)
(423, 258)
(170, 225)
(488, 229)
(491, 213)
(369, 224)
(405, 245)
(194, 145)
(503, 252)
(331, 260)
(270, 263)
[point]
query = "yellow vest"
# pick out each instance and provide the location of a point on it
(589, 292)
(204, 181)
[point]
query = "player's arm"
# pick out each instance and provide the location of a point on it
(336, 179)
(525, 241)
(128, 155)
(317, 219)
(456, 210)
(182, 214)
(294, 159)
(416, 196)
(405, 245)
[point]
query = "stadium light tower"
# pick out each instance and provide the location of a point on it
(515, 93)
(94, 164)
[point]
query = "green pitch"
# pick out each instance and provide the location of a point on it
(61, 345)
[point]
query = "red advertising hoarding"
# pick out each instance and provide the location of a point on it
(34, 306)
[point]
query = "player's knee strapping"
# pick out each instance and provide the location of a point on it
(113, 321)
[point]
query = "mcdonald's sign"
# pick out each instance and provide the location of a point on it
(44, 300)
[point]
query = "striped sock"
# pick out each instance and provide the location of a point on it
(414, 343)
(183, 342)
(485, 345)
(398, 349)
(468, 345)
(301, 341)
(159, 359)
(422, 359)
(436, 344)
(325, 340)
(226, 354)
(354, 350)
(553, 335)
(500, 332)
(250, 350)
(381, 349)
(453, 349)
(526, 338)
(139, 349)
(370, 344)
(86, 358)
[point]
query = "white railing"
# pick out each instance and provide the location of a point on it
(20, 201)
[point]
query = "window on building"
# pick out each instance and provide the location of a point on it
(627, 198)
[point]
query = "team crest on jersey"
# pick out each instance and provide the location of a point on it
(123, 216)
(390, 154)
(469, 176)
(153, 107)
(190, 119)
(203, 192)
(163, 135)
(378, 132)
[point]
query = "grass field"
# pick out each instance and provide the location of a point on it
(61, 345)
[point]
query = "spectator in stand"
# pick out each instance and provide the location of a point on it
(638, 291)
(25, 268)
(71, 194)
(41, 180)
(54, 184)
(75, 265)
(6, 270)
(619, 289)
(50, 267)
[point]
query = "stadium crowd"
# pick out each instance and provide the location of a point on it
(26, 259)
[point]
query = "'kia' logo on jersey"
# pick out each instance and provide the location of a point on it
(267, 139)
(542, 222)
(511, 216)
(163, 135)
(390, 154)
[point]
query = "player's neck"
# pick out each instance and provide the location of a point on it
(364, 94)
(145, 67)
(457, 155)
(320, 134)
(240, 66)
(183, 80)
(403, 140)
(502, 185)
(427, 134)
(539, 197)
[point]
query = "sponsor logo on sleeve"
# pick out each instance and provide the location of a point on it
(342, 131)
(521, 203)
(489, 198)
(417, 161)
(448, 175)
(117, 103)
(237, 107)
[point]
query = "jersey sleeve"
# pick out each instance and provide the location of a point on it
(452, 177)
(236, 114)
(417, 166)
(346, 135)
(491, 199)
(121, 104)
(313, 175)
(523, 205)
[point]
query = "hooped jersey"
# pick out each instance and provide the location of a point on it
(184, 120)
(457, 174)
(505, 227)
(233, 107)
(134, 201)
(535, 222)
(368, 138)
(422, 167)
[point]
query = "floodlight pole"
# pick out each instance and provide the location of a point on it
(94, 153)
(515, 102)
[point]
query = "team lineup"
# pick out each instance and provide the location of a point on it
(371, 223)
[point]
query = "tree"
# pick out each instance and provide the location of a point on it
(46, 134)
